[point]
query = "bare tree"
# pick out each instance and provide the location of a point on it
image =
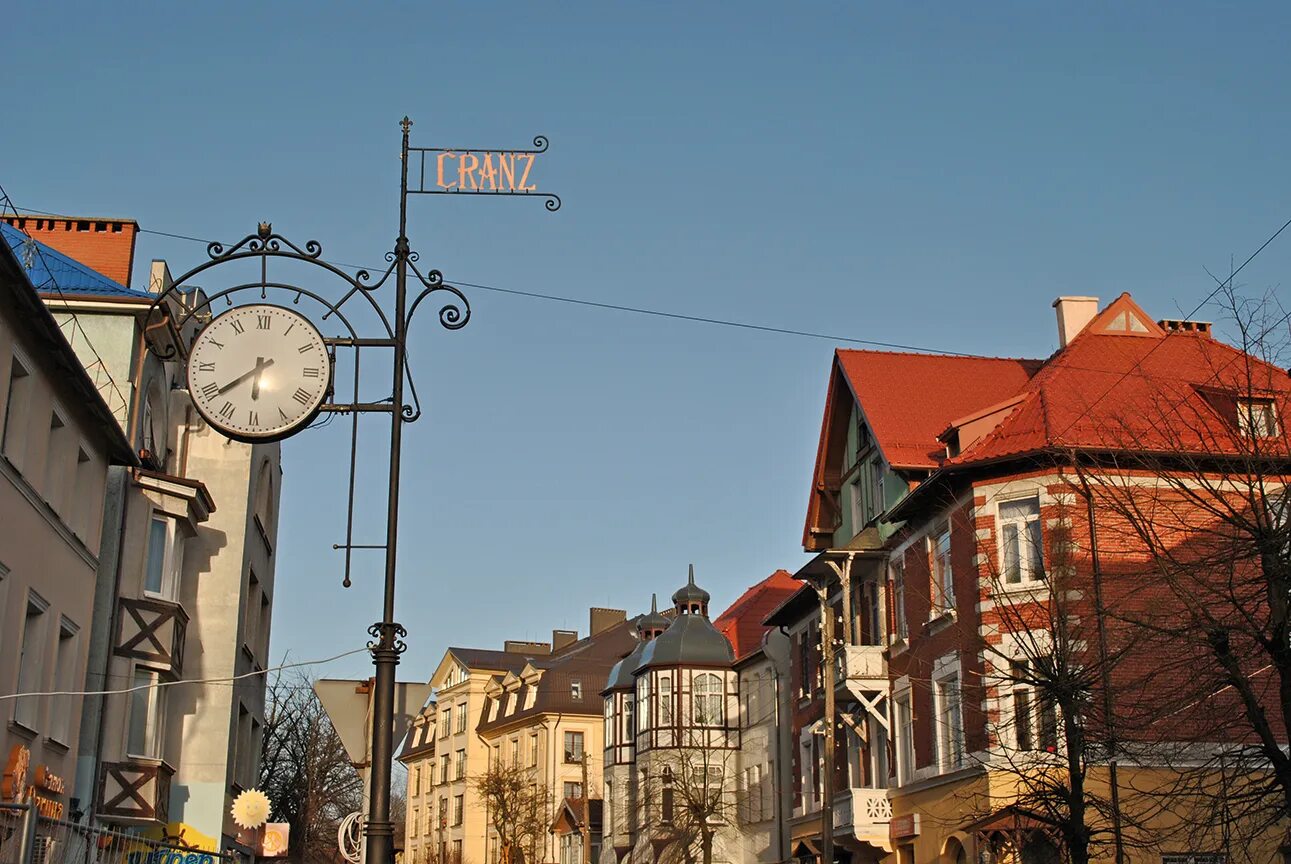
(689, 799)
(304, 769)
(1200, 524)
(519, 808)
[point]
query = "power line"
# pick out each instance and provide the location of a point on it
(160, 684)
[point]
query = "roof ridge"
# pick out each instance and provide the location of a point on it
(950, 356)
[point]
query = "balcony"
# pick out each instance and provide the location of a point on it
(135, 792)
(863, 667)
(151, 632)
(864, 813)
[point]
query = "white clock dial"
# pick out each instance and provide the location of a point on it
(259, 373)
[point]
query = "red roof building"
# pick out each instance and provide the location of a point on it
(742, 622)
(946, 504)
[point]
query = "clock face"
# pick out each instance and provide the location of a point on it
(259, 373)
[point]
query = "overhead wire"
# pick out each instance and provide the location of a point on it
(160, 684)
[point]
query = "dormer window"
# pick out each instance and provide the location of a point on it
(576, 690)
(1256, 418)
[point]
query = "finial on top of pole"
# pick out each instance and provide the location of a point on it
(405, 124)
(692, 574)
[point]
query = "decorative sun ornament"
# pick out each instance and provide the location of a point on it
(251, 809)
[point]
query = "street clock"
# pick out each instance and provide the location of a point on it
(259, 373)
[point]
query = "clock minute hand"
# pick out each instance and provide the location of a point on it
(261, 365)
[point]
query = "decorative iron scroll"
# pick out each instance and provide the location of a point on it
(478, 171)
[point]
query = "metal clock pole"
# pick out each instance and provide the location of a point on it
(385, 654)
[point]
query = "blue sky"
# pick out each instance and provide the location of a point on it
(927, 174)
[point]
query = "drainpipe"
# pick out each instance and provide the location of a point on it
(106, 590)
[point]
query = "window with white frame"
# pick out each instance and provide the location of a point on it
(32, 662)
(943, 577)
(905, 738)
(665, 701)
(165, 558)
(950, 722)
(148, 717)
(608, 732)
(573, 747)
(1021, 541)
(1034, 714)
(576, 690)
(1257, 418)
(902, 630)
(708, 701)
(66, 660)
(875, 507)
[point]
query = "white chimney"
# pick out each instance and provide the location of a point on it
(1073, 314)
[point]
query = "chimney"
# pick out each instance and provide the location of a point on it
(1073, 314)
(604, 619)
(517, 646)
(104, 245)
(562, 639)
(1172, 325)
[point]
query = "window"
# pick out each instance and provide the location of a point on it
(1022, 555)
(950, 732)
(461, 717)
(430, 772)
(753, 794)
(459, 772)
(629, 721)
(457, 852)
(443, 812)
(576, 690)
(65, 662)
(165, 557)
(573, 747)
(708, 700)
(1035, 720)
(148, 717)
(13, 441)
(31, 663)
(905, 739)
(666, 797)
(943, 584)
(414, 779)
(533, 750)
(804, 664)
(665, 700)
(57, 460)
(608, 732)
(444, 776)
(876, 487)
(83, 507)
(495, 756)
(251, 613)
(448, 721)
(573, 790)
(1256, 418)
(457, 809)
(515, 752)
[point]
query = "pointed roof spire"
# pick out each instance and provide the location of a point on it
(690, 593)
(654, 604)
(692, 574)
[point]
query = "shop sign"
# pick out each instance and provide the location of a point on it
(16, 787)
(905, 826)
(185, 845)
(484, 171)
(1194, 858)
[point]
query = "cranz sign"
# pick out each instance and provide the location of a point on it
(472, 171)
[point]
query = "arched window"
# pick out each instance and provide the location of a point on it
(665, 797)
(629, 721)
(609, 721)
(706, 693)
(665, 700)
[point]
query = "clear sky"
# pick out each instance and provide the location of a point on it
(927, 174)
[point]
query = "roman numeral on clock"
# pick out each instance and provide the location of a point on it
(301, 395)
(262, 322)
(238, 326)
(283, 414)
(226, 410)
(210, 389)
(310, 372)
(206, 367)
(253, 419)
(304, 348)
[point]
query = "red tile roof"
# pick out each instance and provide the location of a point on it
(1156, 392)
(741, 623)
(910, 399)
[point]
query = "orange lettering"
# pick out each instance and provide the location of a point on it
(488, 173)
(440, 166)
(507, 171)
(528, 157)
(464, 173)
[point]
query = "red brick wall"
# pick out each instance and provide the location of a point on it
(103, 245)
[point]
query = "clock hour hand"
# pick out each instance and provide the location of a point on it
(261, 365)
